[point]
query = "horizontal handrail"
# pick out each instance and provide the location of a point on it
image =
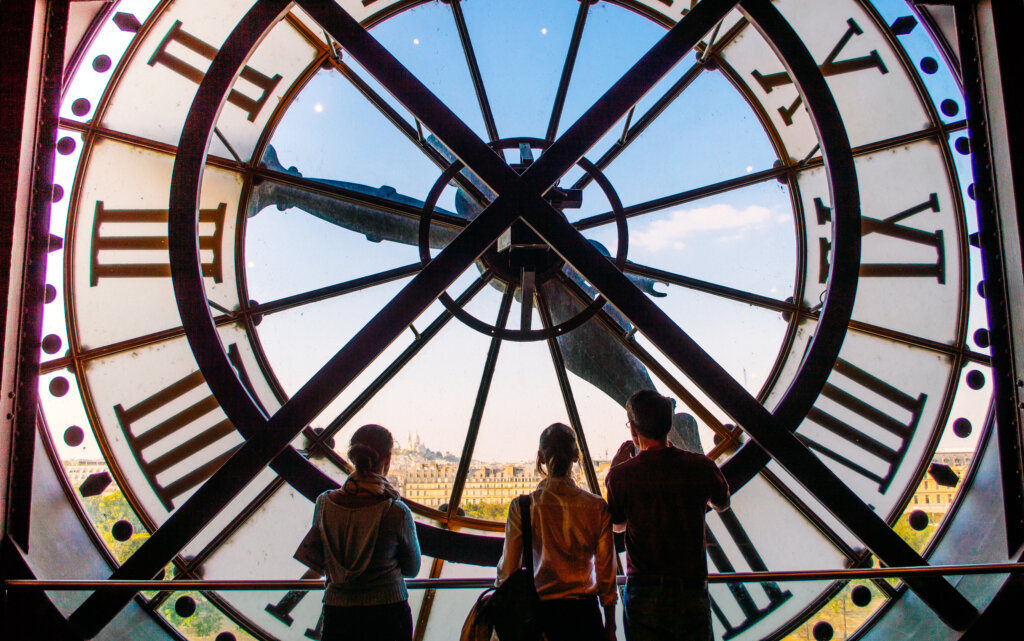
(449, 584)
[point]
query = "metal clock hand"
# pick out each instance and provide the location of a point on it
(371, 218)
(591, 352)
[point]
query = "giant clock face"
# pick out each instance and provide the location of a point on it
(280, 228)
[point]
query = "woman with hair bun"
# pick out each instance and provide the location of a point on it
(573, 549)
(370, 545)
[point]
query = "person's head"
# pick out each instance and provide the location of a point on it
(370, 449)
(650, 414)
(557, 451)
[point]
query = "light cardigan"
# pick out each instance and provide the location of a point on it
(573, 549)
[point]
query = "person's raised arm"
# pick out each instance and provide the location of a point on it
(408, 545)
(625, 452)
(719, 495)
(604, 568)
(512, 551)
(615, 507)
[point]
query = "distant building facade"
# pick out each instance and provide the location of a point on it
(934, 497)
(430, 484)
(80, 469)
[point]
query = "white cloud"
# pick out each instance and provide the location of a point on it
(669, 232)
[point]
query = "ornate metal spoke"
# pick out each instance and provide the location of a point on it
(567, 68)
(338, 289)
(474, 70)
(682, 197)
(401, 361)
(483, 391)
(567, 397)
(722, 291)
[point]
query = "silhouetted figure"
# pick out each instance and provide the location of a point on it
(573, 550)
(657, 495)
(370, 545)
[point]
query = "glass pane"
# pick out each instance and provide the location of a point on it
(370, 381)
(163, 429)
(328, 133)
(538, 31)
(261, 549)
(911, 279)
(665, 159)
(195, 616)
(324, 327)
(746, 538)
(427, 406)
(291, 252)
(156, 91)
(426, 42)
(524, 400)
(599, 65)
(744, 240)
(119, 261)
(448, 612)
(844, 614)
(864, 67)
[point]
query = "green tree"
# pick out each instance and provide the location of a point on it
(110, 508)
(487, 511)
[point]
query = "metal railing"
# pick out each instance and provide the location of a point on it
(318, 584)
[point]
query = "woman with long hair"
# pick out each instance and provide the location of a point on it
(573, 550)
(370, 545)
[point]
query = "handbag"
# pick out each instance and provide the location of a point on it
(477, 627)
(513, 608)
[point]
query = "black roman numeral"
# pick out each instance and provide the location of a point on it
(889, 227)
(830, 67)
(752, 612)
(185, 434)
(149, 240)
(686, 10)
(887, 457)
(316, 633)
(177, 35)
(282, 610)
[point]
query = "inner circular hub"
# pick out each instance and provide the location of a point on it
(519, 258)
(520, 253)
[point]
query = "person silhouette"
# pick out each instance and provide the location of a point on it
(573, 549)
(370, 545)
(658, 495)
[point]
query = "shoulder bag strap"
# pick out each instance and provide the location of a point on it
(527, 532)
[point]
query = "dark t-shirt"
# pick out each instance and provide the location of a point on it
(662, 495)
